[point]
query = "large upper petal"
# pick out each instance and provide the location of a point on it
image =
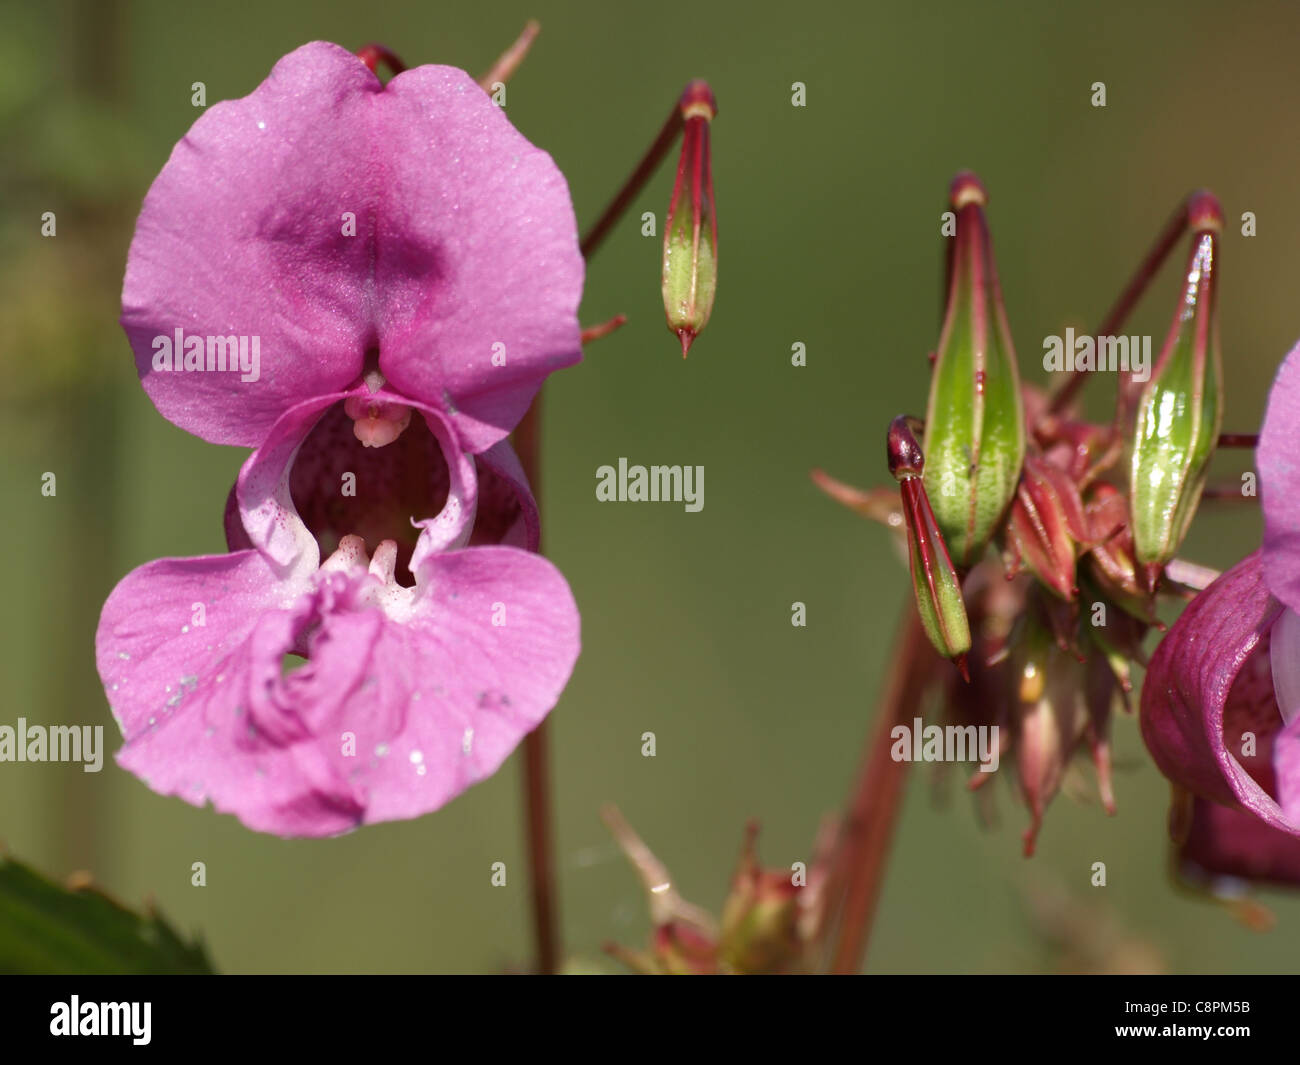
(1278, 456)
(464, 271)
(1212, 668)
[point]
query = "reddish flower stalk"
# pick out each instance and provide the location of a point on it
(541, 849)
(1227, 493)
(527, 441)
(510, 60)
(537, 780)
(537, 777)
(603, 329)
(374, 54)
(879, 504)
(857, 874)
(644, 169)
(1165, 242)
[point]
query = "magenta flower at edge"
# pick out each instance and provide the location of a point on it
(409, 266)
(1221, 701)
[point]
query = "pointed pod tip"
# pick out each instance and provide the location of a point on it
(697, 101)
(960, 662)
(687, 337)
(1150, 575)
(967, 188)
(1030, 836)
(1204, 213)
(902, 451)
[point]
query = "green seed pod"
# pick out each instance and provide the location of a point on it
(1181, 407)
(935, 581)
(975, 423)
(690, 267)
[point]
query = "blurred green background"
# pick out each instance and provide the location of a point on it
(829, 219)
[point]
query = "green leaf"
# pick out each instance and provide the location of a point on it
(49, 929)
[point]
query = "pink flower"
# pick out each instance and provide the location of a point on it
(1221, 701)
(408, 265)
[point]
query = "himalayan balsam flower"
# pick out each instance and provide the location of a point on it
(1221, 702)
(406, 266)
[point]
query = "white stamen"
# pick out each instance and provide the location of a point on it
(384, 563)
(351, 554)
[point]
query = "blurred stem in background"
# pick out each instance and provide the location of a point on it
(75, 411)
(79, 809)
